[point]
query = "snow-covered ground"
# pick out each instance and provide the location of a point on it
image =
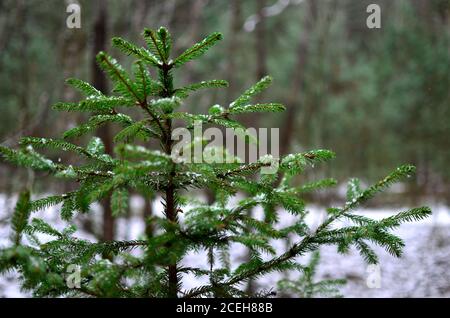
(422, 271)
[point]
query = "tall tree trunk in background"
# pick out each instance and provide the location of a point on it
(260, 38)
(141, 14)
(10, 17)
(23, 78)
(22, 89)
(99, 81)
(195, 26)
(261, 71)
(298, 80)
(233, 45)
(148, 213)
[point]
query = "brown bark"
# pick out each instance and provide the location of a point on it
(261, 71)
(148, 212)
(99, 81)
(171, 210)
(260, 38)
(298, 80)
(23, 79)
(233, 46)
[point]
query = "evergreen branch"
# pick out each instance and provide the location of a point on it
(117, 246)
(398, 174)
(257, 88)
(104, 104)
(131, 131)
(96, 121)
(166, 105)
(27, 158)
(127, 151)
(270, 107)
(258, 269)
(131, 49)
(316, 185)
(117, 74)
(183, 92)
(47, 202)
(119, 202)
(353, 189)
(40, 226)
(146, 86)
(155, 45)
(416, 214)
(21, 214)
(54, 143)
(217, 116)
(248, 168)
(84, 87)
(198, 49)
(393, 245)
(295, 163)
(166, 42)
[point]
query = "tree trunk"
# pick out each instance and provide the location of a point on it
(148, 212)
(171, 210)
(99, 81)
(298, 81)
(260, 38)
(261, 71)
(233, 46)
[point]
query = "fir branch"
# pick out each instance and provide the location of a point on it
(270, 107)
(155, 45)
(28, 158)
(183, 92)
(20, 216)
(54, 143)
(412, 215)
(118, 75)
(119, 202)
(398, 174)
(316, 185)
(96, 121)
(198, 49)
(256, 89)
(130, 132)
(84, 87)
(130, 49)
(47, 202)
(102, 104)
(247, 168)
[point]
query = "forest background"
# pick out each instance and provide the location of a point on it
(377, 97)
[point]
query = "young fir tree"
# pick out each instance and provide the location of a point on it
(109, 269)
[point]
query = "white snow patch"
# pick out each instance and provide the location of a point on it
(422, 271)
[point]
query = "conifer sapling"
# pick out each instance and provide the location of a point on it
(153, 266)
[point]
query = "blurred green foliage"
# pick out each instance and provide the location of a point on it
(377, 97)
